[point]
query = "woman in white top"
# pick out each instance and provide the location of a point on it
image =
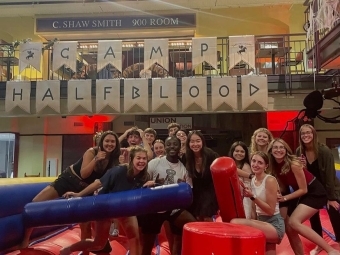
(263, 192)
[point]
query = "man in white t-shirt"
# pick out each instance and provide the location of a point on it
(166, 171)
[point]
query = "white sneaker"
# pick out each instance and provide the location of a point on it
(316, 250)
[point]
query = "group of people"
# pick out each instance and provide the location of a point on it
(281, 190)
(288, 189)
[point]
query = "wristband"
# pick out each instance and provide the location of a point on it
(253, 198)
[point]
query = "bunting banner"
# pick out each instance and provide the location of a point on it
(48, 95)
(164, 95)
(65, 53)
(108, 95)
(79, 94)
(194, 94)
(18, 94)
(136, 95)
(109, 52)
(242, 51)
(254, 92)
(30, 54)
(156, 51)
(224, 93)
(204, 49)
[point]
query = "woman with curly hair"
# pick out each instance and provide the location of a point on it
(260, 140)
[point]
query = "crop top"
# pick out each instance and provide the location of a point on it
(95, 174)
(288, 179)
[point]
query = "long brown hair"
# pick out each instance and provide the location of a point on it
(114, 155)
(289, 159)
(133, 151)
(315, 140)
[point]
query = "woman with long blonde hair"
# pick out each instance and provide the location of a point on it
(307, 198)
(260, 140)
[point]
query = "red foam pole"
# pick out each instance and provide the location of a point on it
(227, 188)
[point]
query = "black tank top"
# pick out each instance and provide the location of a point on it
(96, 174)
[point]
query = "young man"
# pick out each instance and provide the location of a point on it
(173, 128)
(165, 171)
(150, 135)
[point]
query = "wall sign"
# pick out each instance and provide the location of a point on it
(163, 122)
(115, 23)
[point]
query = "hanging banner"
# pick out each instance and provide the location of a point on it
(156, 51)
(30, 54)
(18, 94)
(254, 90)
(194, 94)
(48, 95)
(79, 94)
(108, 95)
(204, 49)
(164, 95)
(224, 93)
(65, 53)
(136, 95)
(242, 51)
(109, 52)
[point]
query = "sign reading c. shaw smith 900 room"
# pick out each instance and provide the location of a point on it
(115, 23)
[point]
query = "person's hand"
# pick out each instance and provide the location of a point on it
(149, 184)
(141, 133)
(179, 180)
(247, 192)
(159, 181)
(303, 160)
(334, 204)
(124, 156)
(100, 155)
(70, 194)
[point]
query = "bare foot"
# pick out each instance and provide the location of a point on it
(65, 251)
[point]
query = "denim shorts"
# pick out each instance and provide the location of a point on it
(277, 222)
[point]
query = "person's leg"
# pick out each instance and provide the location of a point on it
(334, 218)
(99, 241)
(168, 233)
(268, 230)
(296, 220)
(270, 249)
(85, 233)
(150, 225)
(130, 227)
(315, 223)
(293, 236)
(148, 243)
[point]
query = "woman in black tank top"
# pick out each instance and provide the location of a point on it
(93, 165)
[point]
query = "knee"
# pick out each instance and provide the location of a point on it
(235, 221)
(293, 224)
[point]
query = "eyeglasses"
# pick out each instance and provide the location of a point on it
(191, 131)
(279, 148)
(306, 133)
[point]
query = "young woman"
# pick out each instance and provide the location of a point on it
(307, 198)
(319, 161)
(263, 193)
(158, 148)
(93, 165)
(120, 178)
(182, 136)
(239, 153)
(260, 140)
(198, 158)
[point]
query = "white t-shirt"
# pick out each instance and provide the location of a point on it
(170, 173)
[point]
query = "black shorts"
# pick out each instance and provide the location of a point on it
(152, 223)
(316, 197)
(67, 181)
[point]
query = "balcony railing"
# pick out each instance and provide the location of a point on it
(274, 55)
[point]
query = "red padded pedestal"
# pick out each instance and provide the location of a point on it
(219, 238)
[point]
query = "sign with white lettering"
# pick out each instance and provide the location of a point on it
(79, 94)
(194, 94)
(48, 94)
(224, 93)
(163, 122)
(18, 94)
(62, 24)
(108, 94)
(136, 96)
(164, 95)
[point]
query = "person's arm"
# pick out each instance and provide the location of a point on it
(146, 145)
(328, 171)
(245, 172)
(301, 181)
(123, 136)
(269, 205)
(88, 190)
(89, 162)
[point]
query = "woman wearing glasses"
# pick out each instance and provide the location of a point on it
(307, 198)
(318, 160)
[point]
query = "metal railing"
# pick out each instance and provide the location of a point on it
(274, 55)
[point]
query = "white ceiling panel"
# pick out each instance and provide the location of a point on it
(31, 8)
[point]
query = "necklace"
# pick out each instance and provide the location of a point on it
(173, 165)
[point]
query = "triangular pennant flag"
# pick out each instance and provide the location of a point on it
(156, 51)
(65, 53)
(109, 52)
(30, 54)
(204, 49)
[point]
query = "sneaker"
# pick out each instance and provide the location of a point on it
(114, 232)
(316, 250)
